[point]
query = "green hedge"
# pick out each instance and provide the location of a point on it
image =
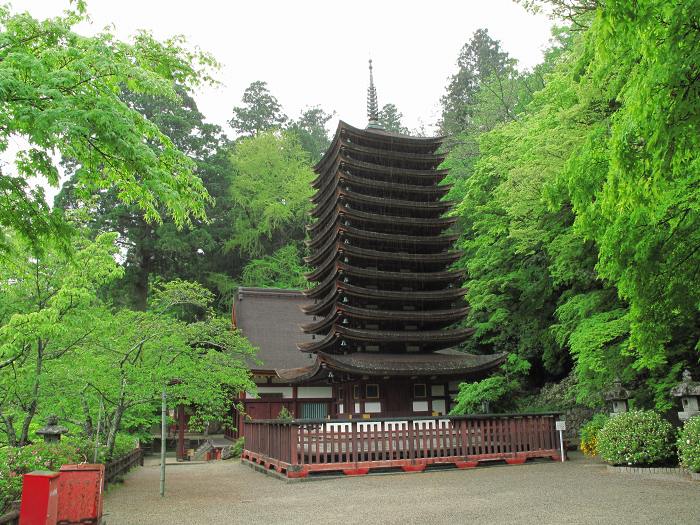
(689, 445)
(638, 437)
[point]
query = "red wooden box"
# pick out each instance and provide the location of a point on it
(39, 498)
(80, 493)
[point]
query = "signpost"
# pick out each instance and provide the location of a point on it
(163, 437)
(561, 427)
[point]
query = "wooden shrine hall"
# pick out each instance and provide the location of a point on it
(377, 335)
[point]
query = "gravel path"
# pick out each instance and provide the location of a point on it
(579, 491)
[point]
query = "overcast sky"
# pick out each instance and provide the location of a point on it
(316, 52)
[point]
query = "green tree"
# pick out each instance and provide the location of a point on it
(61, 94)
(260, 111)
(270, 191)
(49, 308)
(282, 269)
(177, 344)
(479, 59)
(312, 132)
(635, 183)
(390, 119)
(163, 250)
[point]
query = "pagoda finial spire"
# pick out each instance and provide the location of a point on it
(372, 106)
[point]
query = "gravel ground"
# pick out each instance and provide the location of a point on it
(579, 491)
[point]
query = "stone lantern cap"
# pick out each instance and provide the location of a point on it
(687, 387)
(617, 392)
(52, 428)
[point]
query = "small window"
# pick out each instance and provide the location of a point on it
(419, 391)
(372, 391)
(356, 391)
(340, 393)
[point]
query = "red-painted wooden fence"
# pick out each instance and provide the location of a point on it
(298, 447)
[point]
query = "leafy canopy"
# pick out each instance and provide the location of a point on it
(61, 96)
(270, 190)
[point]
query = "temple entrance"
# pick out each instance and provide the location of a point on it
(398, 400)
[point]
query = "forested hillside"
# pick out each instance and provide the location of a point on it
(578, 190)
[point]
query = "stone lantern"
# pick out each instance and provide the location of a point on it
(52, 432)
(617, 396)
(689, 392)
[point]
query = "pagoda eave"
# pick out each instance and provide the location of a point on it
(407, 316)
(440, 363)
(376, 218)
(422, 175)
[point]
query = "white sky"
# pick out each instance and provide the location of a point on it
(315, 52)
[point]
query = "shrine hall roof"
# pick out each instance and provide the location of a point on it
(270, 319)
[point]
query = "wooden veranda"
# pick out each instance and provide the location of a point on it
(299, 447)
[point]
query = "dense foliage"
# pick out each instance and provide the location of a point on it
(64, 350)
(60, 93)
(482, 395)
(639, 437)
(589, 434)
(689, 444)
(578, 190)
(14, 462)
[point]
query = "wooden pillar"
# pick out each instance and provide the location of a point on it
(240, 417)
(180, 433)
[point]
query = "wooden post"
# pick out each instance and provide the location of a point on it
(181, 433)
(163, 437)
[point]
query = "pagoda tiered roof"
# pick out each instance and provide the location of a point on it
(381, 250)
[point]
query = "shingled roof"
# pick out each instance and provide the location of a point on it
(270, 319)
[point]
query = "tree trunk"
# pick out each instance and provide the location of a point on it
(142, 271)
(88, 427)
(24, 436)
(114, 428)
(8, 421)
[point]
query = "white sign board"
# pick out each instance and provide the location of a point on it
(560, 425)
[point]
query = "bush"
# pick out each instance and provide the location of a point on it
(285, 414)
(689, 445)
(638, 437)
(589, 434)
(237, 448)
(14, 462)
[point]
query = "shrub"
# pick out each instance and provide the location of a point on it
(14, 462)
(589, 434)
(638, 437)
(285, 414)
(689, 445)
(237, 448)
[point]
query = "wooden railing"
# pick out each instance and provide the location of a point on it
(298, 447)
(118, 467)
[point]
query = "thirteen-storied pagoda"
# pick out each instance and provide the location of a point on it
(385, 302)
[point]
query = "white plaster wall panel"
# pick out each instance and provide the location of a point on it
(373, 407)
(307, 392)
(357, 408)
(439, 406)
(438, 390)
(420, 406)
(286, 391)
